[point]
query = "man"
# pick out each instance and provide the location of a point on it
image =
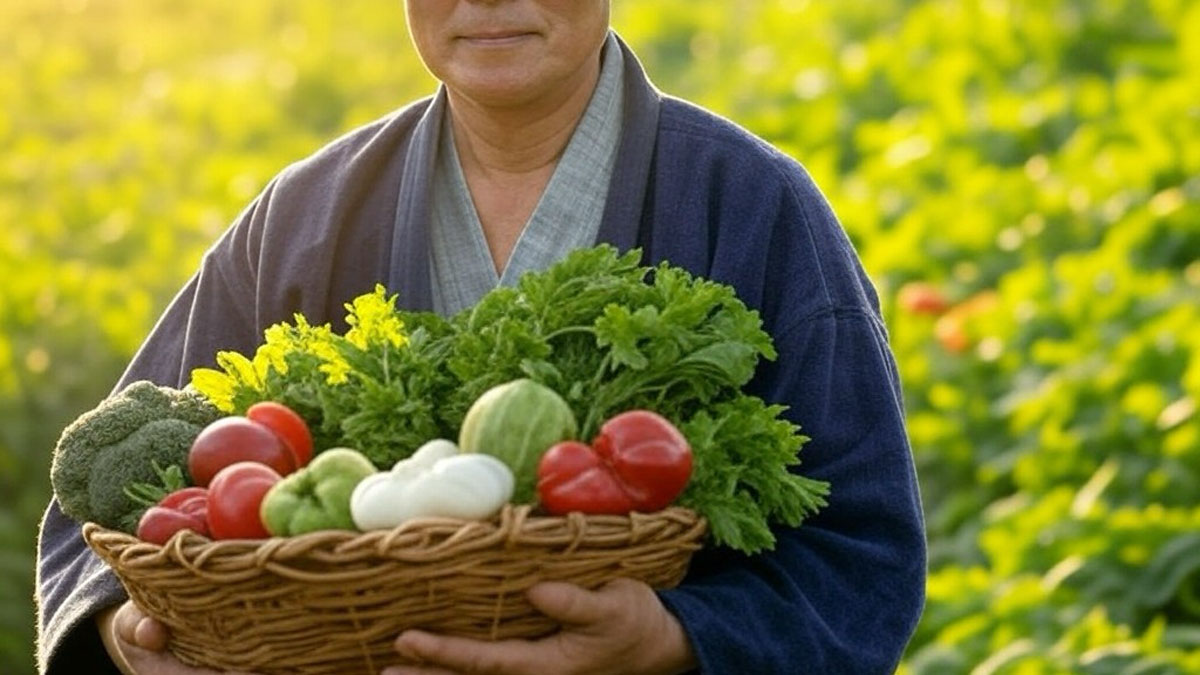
(547, 136)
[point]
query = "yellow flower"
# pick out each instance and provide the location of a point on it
(373, 321)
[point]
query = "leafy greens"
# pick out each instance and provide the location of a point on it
(605, 332)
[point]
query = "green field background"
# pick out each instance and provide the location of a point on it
(1035, 163)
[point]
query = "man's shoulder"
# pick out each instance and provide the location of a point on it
(711, 152)
(764, 207)
(687, 124)
(339, 193)
(368, 144)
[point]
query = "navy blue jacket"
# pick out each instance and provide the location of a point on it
(840, 594)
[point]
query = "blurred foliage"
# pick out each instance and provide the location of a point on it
(1022, 180)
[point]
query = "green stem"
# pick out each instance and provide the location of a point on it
(591, 422)
(148, 494)
(569, 330)
(387, 373)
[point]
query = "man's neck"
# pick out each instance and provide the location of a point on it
(510, 141)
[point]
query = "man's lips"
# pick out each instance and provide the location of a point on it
(496, 37)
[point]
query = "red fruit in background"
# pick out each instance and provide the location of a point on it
(951, 333)
(236, 439)
(920, 297)
(951, 329)
(234, 498)
(288, 425)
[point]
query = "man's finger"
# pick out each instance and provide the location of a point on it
(463, 655)
(135, 628)
(126, 620)
(573, 605)
(417, 670)
(150, 634)
(566, 603)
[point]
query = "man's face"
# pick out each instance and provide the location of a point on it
(508, 52)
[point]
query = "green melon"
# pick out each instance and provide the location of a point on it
(517, 422)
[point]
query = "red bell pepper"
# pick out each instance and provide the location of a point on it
(573, 477)
(638, 462)
(185, 509)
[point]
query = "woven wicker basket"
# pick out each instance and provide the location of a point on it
(333, 602)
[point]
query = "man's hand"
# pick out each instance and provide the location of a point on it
(138, 644)
(622, 628)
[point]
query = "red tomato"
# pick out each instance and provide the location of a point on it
(236, 439)
(159, 524)
(184, 509)
(234, 498)
(182, 496)
(286, 424)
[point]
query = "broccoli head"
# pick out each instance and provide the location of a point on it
(118, 444)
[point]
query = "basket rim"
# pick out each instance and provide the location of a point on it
(422, 540)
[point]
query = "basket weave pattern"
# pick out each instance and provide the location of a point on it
(333, 602)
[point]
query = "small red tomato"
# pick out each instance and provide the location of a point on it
(159, 524)
(234, 498)
(184, 509)
(236, 439)
(288, 425)
(178, 498)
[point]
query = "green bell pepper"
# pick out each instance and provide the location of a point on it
(316, 497)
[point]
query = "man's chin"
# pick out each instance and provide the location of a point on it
(500, 89)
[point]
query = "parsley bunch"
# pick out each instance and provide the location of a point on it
(610, 335)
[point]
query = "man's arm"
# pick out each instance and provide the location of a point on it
(72, 584)
(843, 592)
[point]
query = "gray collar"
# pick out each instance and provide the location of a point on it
(568, 215)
